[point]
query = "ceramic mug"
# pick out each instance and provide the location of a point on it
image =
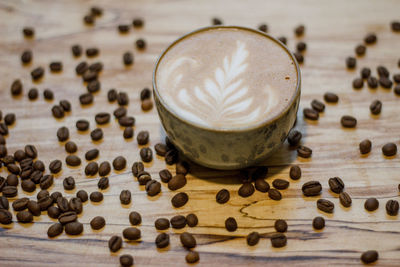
(227, 149)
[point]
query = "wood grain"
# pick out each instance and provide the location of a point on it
(333, 29)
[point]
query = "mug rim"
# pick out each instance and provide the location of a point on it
(228, 130)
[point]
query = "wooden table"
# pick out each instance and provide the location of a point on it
(333, 29)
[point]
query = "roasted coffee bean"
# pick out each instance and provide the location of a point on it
(162, 240)
(74, 228)
(161, 224)
(4, 204)
(75, 204)
(137, 167)
(96, 196)
(278, 240)
(301, 46)
(274, 194)
(12, 180)
(9, 119)
(2, 140)
(55, 230)
(96, 134)
(192, 257)
(187, 240)
(304, 152)
(91, 169)
(3, 151)
(370, 38)
(280, 226)
(119, 163)
(30, 151)
(312, 188)
(222, 196)
(26, 56)
(365, 73)
(153, 187)
(56, 66)
(127, 58)
(358, 83)
(120, 113)
(179, 200)
(3, 129)
(365, 146)
(165, 175)
(53, 212)
(112, 95)
(86, 99)
(45, 203)
(24, 217)
(62, 134)
(299, 30)
(6, 159)
(128, 132)
(27, 162)
(294, 137)
(280, 184)
(253, 238)
(192, 220)
(137, 22)
(82, 195)
(62, 204)
(299, 57)
(104, 168)
(92, 154)
(392, 207)
(182, 167)
(46, 181)
(20, 204)
(19, 155)
(82, 125)
(57, 111)
(146, 154)
(369, 256)
(89, 19)
(318, 223)
(375, 107)
(122, 99)
(216, 21)
(389, 149)
(11, 191)
(385, 82)
(360, 50)
(382, 71)
(73, 160)
(81, 68)
(131, 233)
(143, 137)
(325, 205)
(125, 197)
(144, 177)
(246, 190)
(55, 166)
(135, 218)
(371, 204)
(28, 172)
(147, 104)
(42, 193)
(331, 97)
(231, 224)
(172, 156)
(145, 94)
(318, 105)
(115, 243)
(263, 27)
(348, 121)
(295, 172)
(37, 73)
(97, 222)
(336, 185)
(140, 44)
(93, 87)
(177, 182)
(5, 216)
(76, 50)
(55, 195)
(89, 75)
(372, 82)
(96, 67)
(178, 221)
(71, 147)
(395, 25)
(345, 199)
(67, 217)
(123, 28)
(96, 11)
(16, 87)
(92, 52)
(262, 185)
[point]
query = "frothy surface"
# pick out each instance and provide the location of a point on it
(226, 78)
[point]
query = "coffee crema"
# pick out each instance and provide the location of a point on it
(226, 78)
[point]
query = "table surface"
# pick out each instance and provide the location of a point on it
(333, 29)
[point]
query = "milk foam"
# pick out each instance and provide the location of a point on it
(226, 78)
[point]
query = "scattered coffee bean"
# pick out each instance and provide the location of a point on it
(82, 195)
(360, 50)
(222, 196)
(73, 160)
(280, 226)
(126, 260)
(66, 105)
(4, 204)
(96, 196)
(369, 256)
(192, 257)
(365, 73)
(294, 137)
(96, 134)
(246, 190)
(122, 99)
(280, 184)
(299, 57)
(62, 204)
(370, 38)
(82, 125)
(145, 94)
(295, 172)
(351, 62)
(123, 28)
(147, 104)
(45, 203)
(146, 154)
(42, 194)
(283, 39)
(27, 186)
(55, 166)
(231, 224)
(179, 200)
(385, 82)
(253, 238)
(311, 188)
(392, 207)
(372, 82)
(57, 111)
(178, 221)
(24, 216)
(86, 99)
(127, 58)
(301, 46)
(131, 233)
(120, 113)
(12, 180)
(161, 224)
(5, 216)
(138, 22)
(274, 194)
(365, 146)
(263, 27)
(37, 73)
(171, 156)
(46, 181)
(318, 223)
(304, 152)
(278, 240)
(188, 240)
(162, 240)
(89, 75)
(395, 25)
(143, 178)
(192, 220)
(71, 147)
(89, 19)
(140, 44)
(53, 212)
(165, 176)
(318, 105)
(55, 229)
(91, 169)
(92, 52)
(104, 168)
(345, 199)
(358, 83)
(126, 121)
(20, 204)
(103, 183)
(135, 218)
(93, 87)
(76, 50)
(389, 149)
(128, 132)
(56, 66)
(331, 97)
(382, 71)
(153, 187)
(325, 205)
(137, 167)
(92, 154)
(74, 228)
(119, 163)
(336, 185)
(125, 197)
(375, 107)
(143, 137)
(348, 121)
(33, 94)
(262, 185)
(26, 56)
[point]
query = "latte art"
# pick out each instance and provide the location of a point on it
(226, 78)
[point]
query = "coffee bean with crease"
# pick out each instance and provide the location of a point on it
(126, 121)
(24, 216)
(57, 111)
(104, 168)
(262, 185)
(278, 240)
(125, 197)
(4, 204)
(96, 134)
(372, 82)
(86, 99)
(365, 146)
(392, 207)
(179, 200)
(128, 132)
(280, 184)
(92, 154)
(222, 196)
(294, 137)
(135, 218)
(348, 121)
(69, 183)
(131, 233)
(103, 183)
(375, 107)
(253, 238)
(93, 86)
(295, 172)
(177, 182)
(82, 195)
(325, 205)
(102, 118)
(274, 194)
(165, 175)
(67, 217)
(73, 160)
(96, 196)
(55, 166)
(37, 73)
(75, 204)
(74, 228)
(53, 212)
(358, 83)
(318, 105)
(153, 187)
(46, 181)
(45, 203)
(143, 177)
(137, 167)
(120, 113)
(55, 230)
(11, 191)
(97, 223)
(304, 151)
(91, 169)
(330, 97)
(188, 240)
(336, 185)
(385, 82)
(345, 199)
(246, 190)
(115, 243)
(161, 224)
(311, 188)
(5, 216)
(172, 156)
(62, 204)
(162, 240)
(20, 204)
(161, 149)
(119, 163)
(82, 125)
(178, 222)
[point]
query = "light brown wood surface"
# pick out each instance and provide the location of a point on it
(333, 29)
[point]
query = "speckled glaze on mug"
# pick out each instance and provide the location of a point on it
(227, 149)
